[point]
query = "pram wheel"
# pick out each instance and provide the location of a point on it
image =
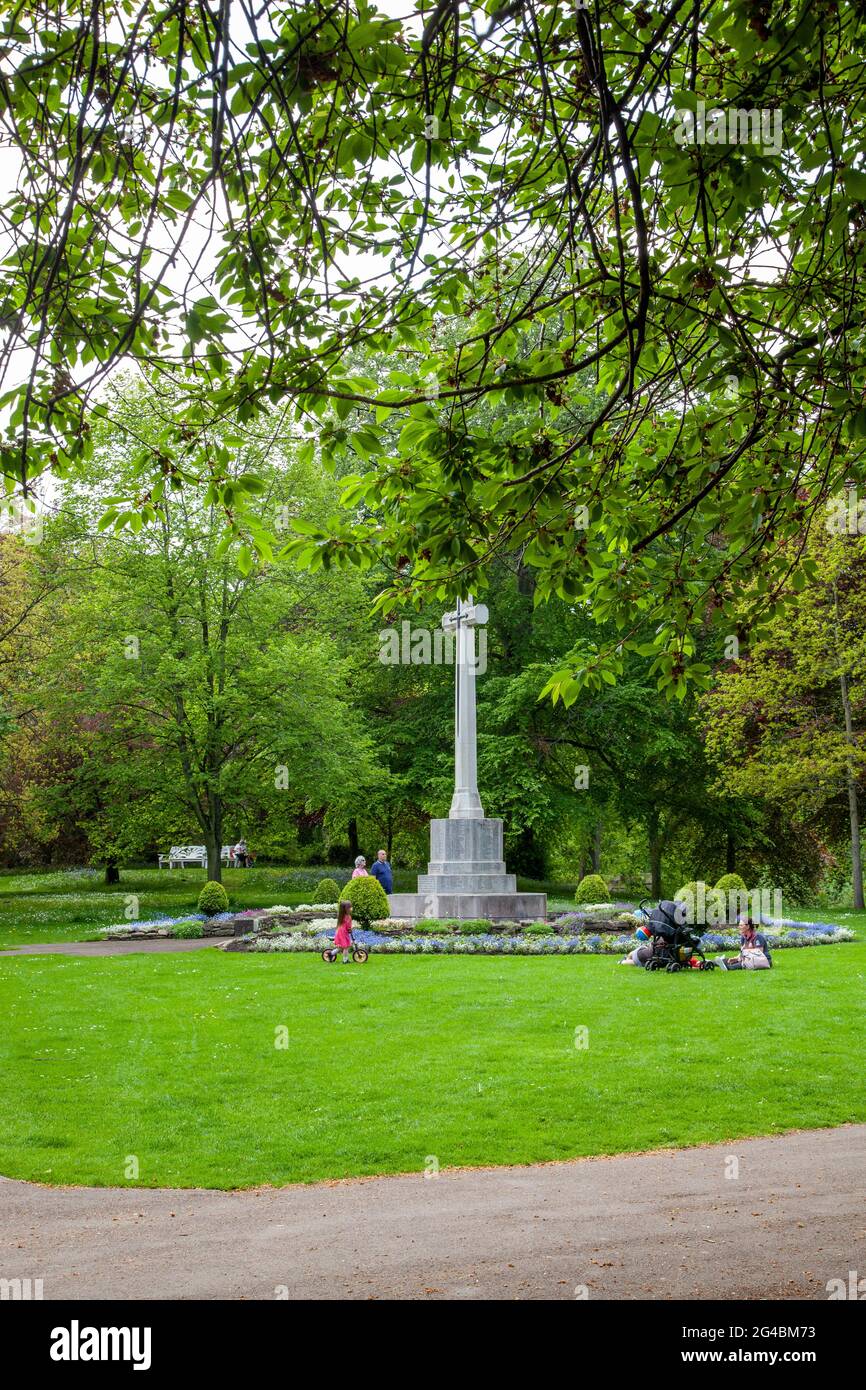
(674, 967)
(329, 956)
(359, 955)
(708, 965)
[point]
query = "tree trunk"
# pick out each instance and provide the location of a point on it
(731, 855)
(655, 853)
(853, 805)
(214, 861)
(214, 839)
(850, 769)
(596, 849)
(353, 840)
(525, 580)
(112, 873)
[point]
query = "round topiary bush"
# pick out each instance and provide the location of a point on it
(212, 899)
(732, 895)
(592, 889)
(328, 891)
(732, 883)
(368, 899)
(706, 906)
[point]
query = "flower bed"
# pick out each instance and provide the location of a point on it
(310, 927)
(318, 908)
(613, 917)
(220, 925)
(497, 943)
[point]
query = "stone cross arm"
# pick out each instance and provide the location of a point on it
(468, 614)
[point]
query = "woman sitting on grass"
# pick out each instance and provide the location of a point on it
(754, 951)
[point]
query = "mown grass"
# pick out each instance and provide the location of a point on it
(468, 1060)
(72, 906)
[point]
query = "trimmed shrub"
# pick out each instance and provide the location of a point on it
(328, 891)
(731, 882)
(714, 909)
(368, 898)
(537, 929)
(592, 889)
(474, 926)
(212, 899)
(186, 931)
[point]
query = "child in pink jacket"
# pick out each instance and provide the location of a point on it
(343, 934)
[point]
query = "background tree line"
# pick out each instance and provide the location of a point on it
(156, 688)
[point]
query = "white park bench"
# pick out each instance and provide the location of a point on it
(189, 856)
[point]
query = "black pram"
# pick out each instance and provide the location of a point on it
(675, 944)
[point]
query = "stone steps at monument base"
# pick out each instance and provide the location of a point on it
(436, 867)
(457, 881)
(495, 907)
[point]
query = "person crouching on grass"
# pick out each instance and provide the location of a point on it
(343, 934)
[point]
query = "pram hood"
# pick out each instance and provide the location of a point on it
(667, 919)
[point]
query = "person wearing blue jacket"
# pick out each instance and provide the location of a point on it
(381, 869)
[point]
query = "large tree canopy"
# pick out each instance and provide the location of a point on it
(639, 228)
(785, 723)
(161, 694)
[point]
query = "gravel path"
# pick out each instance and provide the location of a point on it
(660, 1225)
(150, 945)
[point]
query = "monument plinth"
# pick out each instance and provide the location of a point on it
(466, 876)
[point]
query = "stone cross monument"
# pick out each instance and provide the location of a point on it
(466, 875)
(465, 803)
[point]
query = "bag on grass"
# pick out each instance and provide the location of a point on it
(753, 958)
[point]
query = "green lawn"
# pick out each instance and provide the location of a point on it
(468, 1059)
(73, 906)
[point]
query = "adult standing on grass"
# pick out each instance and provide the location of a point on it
(360, 869)
(381, 869)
